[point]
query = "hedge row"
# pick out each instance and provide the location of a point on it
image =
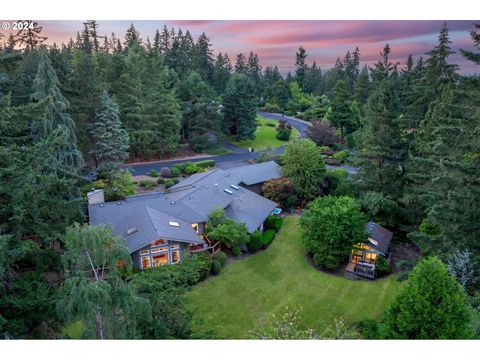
(268, 236)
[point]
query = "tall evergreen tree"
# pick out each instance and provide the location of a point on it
(240, 108)
(381, 148)
(241, 64)
(301, 67)
(384, 68)
(340, 107)
(30, 36)
(199, 111)
(132, 37)
(204, 62)
(110, 140)
(470, 55)
(46, 85)
(362, 87)
(221, 72)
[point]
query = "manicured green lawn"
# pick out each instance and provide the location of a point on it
(265, 136)
(248, 291)
(215, 149)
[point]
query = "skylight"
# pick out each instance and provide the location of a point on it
(132, 230)
(234, 187)
(228, 191)
(174, 223)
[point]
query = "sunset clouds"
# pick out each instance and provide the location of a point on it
(277, 41)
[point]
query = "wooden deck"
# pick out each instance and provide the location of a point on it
(213, 247)
(359, 271)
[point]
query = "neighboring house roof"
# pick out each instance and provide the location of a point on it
(190, 201)
(382, 236)
(257, 173)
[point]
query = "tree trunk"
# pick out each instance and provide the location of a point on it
(100, 326)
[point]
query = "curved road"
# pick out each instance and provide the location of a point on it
(238, 155)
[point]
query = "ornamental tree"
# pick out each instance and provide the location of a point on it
(432, 305)
(330, 227)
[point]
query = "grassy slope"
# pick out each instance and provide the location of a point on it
(248, 291)
(265, 136)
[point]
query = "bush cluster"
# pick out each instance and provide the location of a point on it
(255, 242)
(147, 184)
(153, 173)
(236, 251)
(267, 238)
(273, 223)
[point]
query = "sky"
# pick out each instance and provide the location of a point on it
(276, 41)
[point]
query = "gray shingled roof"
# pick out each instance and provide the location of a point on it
(381, 235)
(188, 202)
(257, 173)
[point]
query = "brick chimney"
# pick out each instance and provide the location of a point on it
(96, 197)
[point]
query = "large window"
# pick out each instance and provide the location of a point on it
(159, 242)
(175, 257)
(160, 260)
(161, 249)
(145, 262)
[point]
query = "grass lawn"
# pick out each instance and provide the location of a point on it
(249, 291)
(265, 136)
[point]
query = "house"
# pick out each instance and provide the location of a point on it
(253, 176)
(364, 255)
(163, 228)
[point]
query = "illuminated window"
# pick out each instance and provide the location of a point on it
(144, 252)
(159, 242)
(145, 262)
(160, 260)
(157, 250)
(175, 257)
(195, 227)
(174, 247)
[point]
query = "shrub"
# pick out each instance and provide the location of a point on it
(341, 156)
(270, 124)
(205, 163)
(216, 267)
(322, 133)
(221, 257)
(236, 251)
(269, 223)
(229, 233)
(272, 107)
(368, 328)
(255, 242)
(191, 168)
(175, 171)
(273, 223)
(175, 181)
(382, 266)
(283, 134)
(351, 141)
(147, 184)
(169, 184)
(267, 238)
(165, 172)
(153, 173)
(280, 191)
(197, 268)
(160, 181)
(323, 149)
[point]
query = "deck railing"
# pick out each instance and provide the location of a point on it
(212, 247)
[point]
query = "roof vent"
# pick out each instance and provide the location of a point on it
(172, 202)
(234, 187)
(119, 203)
(101, 205)
(174, 223)
(132, 230)
(228, 191)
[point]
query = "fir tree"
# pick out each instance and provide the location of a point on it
(470, 55)
(199, 112)
(241, 64)
(204, 62)
(362, 87)
(31, 36)
(132, 37)
(384, 68)
(110, 140)
(240, 108)
(221, 72)
(340, 107)
(301, 67)
(46, 85)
